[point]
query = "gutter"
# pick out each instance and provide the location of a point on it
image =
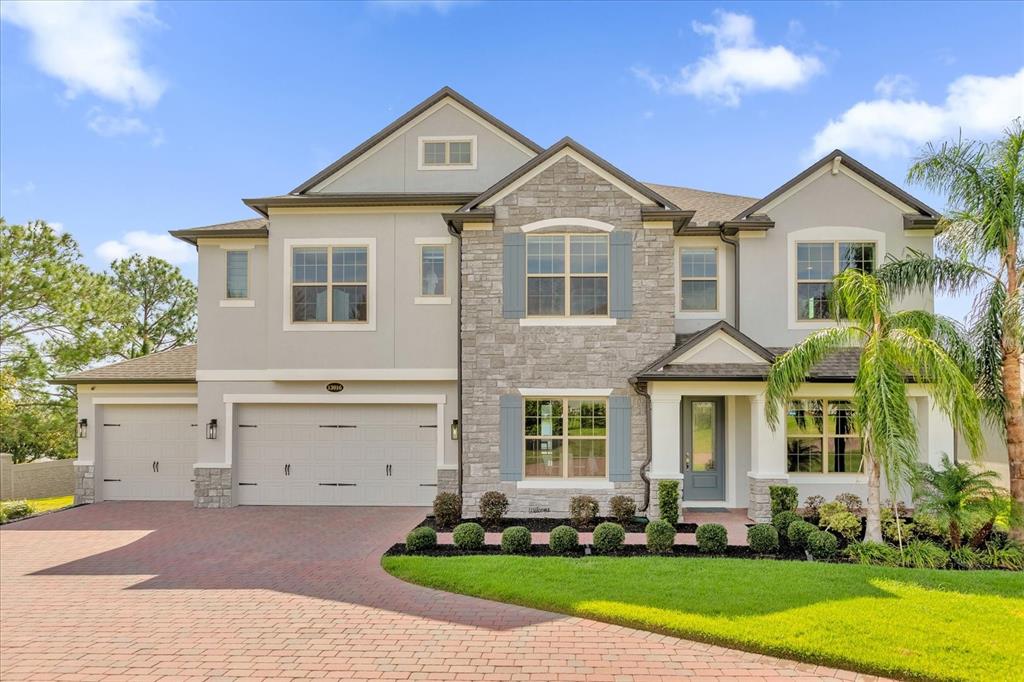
(735, 243)
(641, 389)
(457, 234)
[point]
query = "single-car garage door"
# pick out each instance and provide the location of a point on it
(336, 454)
(148, 451)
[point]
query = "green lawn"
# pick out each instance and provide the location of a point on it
(45, 504)
(899, 622)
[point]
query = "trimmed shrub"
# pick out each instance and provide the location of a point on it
(583, 510)
(872, 554)
(835, 517)
(924, 554)
(895, 529)
(564, 540)
(782, 521)
(1009, 556)
(622, 508)
(661, 536)
(822, 545)
(516, 540)
(783, 498)
(763, 538)
(852, 502)
(798, 532)
(812, 504)
(966, 558)
(668, 501)
(609, 537)
(493, 505)
(421, 539)
(447, 510)
(712, 538)
(928, 526)
(468, 536)
(14, 509)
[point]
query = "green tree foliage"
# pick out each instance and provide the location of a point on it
(954, 494)
(163, 306)
(894, 346)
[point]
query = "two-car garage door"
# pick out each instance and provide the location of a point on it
(293, 454)
(148, 451)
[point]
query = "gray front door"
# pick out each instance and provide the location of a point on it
(703, 448)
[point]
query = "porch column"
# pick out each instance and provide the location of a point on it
(767, 460)
(665, 434)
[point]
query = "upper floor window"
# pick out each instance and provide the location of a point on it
(432, 262)
(567, 275)
(698, 287)
(820, 438)
(238, 274)
(566, 438)
(817, 263)
(329, 284)
(447, 152)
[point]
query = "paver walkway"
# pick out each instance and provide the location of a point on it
(161, 591)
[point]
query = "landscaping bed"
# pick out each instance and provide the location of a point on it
(730, 552)
(547, 524)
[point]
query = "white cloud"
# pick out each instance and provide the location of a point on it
(739, 65)
(147, 244)
(895, 85)
(107, 125)
(979, 106)
(90, 46)
(438, 6)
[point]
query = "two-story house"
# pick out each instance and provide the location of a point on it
(450, 306)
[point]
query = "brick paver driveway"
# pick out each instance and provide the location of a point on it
(161, 591)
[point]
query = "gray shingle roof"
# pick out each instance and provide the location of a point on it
(175, 366)
(251, 227)
(708, 205)
(840, 366)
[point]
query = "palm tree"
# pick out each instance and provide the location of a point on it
(982, 229)
(954, 494)
(895, 347)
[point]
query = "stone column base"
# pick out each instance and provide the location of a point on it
(448, 481)
(85, 483)
(213, 488)
(760, 507)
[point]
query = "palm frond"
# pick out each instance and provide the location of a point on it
(948, 333)
(791, 368)
(919, 272)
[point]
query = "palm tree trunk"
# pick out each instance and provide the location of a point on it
(1014, 427)
(954, 533)
(873, 532)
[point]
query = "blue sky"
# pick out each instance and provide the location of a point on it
(122, 121)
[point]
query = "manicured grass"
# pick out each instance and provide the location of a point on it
(45, 504)
(892, 621)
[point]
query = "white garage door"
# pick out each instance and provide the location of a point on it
(336, 454)
(147, 451)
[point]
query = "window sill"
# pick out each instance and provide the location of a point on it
(237, 303)
(834, 478)
(568, 322)
(565, 484)
(700, 314)
(433, 300)
(330, 327)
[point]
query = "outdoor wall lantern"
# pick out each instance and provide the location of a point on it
(211, 430)
(83, 427)
(455, 429)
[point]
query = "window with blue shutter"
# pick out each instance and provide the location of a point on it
(514, 276)
(620, 466)
(621, 272)
(511, 437)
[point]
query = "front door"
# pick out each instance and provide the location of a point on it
(703, 448)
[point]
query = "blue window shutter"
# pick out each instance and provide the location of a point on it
(620, 465)
(621, 274)
(514, 276)
(511, 437)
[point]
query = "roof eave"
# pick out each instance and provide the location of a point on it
(74, 381)
(191, 237)
(264, 204)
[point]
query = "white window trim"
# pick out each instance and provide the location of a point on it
(420, 146)
(237, 303)
(567, 481)
(822, 234)
(371, 285)
(443, 296)
(723, 282)
(578, 321)
(825, 475)
(248, 279)
(567, 222)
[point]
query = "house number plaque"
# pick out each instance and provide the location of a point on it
(335, 387)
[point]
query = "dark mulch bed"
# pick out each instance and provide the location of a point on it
(733, 552)
(547, 524)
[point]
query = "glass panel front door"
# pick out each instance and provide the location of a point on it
(703, 421)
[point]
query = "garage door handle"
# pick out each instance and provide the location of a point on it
(111, 424)
(248, 484)
(428, 485)
(428, 426)
(111, 480)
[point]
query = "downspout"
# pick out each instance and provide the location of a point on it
(735, 243)
(641, 389)
(458, 351)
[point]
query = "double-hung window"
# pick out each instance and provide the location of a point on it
(330, 284)
(817, 263)
(567, 275)
(566, 438)
(238, 274)
(821, 438)
(432, 271)
(454, 152)
(698, 287)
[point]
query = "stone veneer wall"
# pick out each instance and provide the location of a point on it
(499, 356)
(213, 488)
(760, 507)
(85, 483)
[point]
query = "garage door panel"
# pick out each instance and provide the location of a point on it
(136, 436)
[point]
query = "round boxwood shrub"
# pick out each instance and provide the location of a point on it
(564, 540)
(712, 538)
(798, 531)
(609, 537)
(622, 508)
(468, 536)
(781, 522)
(421, 539)
(822, 545)
(583, 509)
(661, 536)
(447, 509)
(493, 505)
(516, 540)
(763, 538)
